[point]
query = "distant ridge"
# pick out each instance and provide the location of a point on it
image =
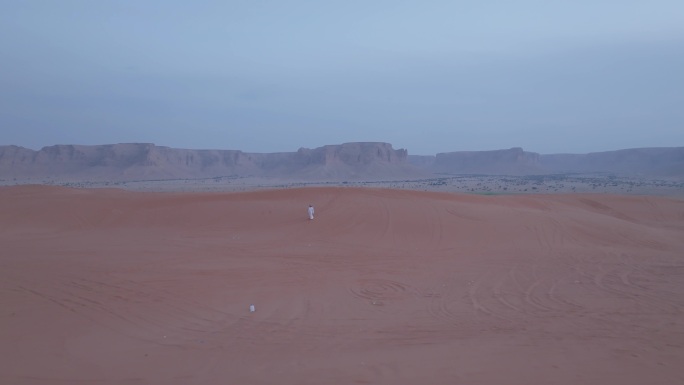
(347, 161)
(146, 161)
(650, 162)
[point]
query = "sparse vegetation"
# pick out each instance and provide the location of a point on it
(472, 184)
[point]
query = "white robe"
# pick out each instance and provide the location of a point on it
(311, 212)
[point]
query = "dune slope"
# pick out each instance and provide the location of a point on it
(382, 287)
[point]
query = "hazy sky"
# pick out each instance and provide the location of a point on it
(268, 76)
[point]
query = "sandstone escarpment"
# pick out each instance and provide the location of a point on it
(134, 161)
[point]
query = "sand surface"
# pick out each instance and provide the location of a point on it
(382, 287)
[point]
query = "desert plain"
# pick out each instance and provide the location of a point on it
(384, 286)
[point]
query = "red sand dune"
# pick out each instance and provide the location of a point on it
(383, 287)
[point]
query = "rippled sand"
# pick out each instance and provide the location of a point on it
(383, 287)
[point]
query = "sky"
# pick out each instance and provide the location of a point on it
(429, 76)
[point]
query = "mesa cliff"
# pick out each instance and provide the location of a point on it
(648, 162)
(145, 161)
(347, 161)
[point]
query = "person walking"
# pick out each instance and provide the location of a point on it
(311, 212)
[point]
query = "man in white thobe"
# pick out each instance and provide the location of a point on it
(311, 212)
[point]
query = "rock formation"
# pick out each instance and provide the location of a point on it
(348, 161)
(650, 162)
(143, 161)
(513, 161)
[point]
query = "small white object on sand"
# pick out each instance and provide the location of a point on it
(251, 308)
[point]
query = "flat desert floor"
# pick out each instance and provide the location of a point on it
(105, 286)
